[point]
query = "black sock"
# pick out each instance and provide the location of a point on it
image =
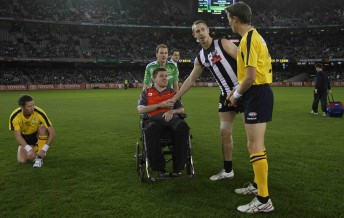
(228, 166)
(263, 200)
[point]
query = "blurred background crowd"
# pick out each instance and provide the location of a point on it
(102, 41)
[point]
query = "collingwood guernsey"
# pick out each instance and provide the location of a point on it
(221, 65)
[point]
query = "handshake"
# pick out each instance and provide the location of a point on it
(167, 104)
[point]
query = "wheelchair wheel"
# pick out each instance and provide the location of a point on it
(141, 174)
(139, 165)
(190, 170)
(137, 156)
(189, 164)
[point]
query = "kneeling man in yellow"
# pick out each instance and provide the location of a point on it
(32, 130)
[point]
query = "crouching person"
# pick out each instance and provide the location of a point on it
(32, 130)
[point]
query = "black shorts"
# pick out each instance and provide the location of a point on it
(258, 102)
(31, 139)
(223, 105)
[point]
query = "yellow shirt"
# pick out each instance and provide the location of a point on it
(253, 52)
(28, 125)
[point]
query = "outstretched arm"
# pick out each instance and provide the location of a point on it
(149, 108)
(195, 73)
(175, 86)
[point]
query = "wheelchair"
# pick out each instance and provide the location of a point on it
(143, 163)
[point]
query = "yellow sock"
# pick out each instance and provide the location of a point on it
(42, 140)
(255, 179)
(260, 169)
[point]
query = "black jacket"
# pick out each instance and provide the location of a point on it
(322, 84)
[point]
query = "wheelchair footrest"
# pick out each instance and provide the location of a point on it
(171, 177)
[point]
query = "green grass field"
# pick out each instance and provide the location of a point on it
(90, 167)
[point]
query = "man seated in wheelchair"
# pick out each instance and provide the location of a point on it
(162, 115)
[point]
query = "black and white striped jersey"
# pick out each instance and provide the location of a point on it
(221, 65)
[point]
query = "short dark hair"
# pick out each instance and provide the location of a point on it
(198, 22)
(160, 46)
(23, 99)
(157, 70)
(174, 50)
(318, 65)
(241, 10)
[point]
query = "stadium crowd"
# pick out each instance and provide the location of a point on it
(16, 75)
(56, 31)
(44, 41)
(172, 13)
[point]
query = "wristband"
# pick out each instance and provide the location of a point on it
(236, 94)
(28, 148)
(45, 148)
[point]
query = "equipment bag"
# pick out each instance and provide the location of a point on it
(334, 108)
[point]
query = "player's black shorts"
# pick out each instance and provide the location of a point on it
(31, 139)
(223, 105)
(258, 104)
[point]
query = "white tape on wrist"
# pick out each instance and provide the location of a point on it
(236, 94)
(28, 148)
(45, 148)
